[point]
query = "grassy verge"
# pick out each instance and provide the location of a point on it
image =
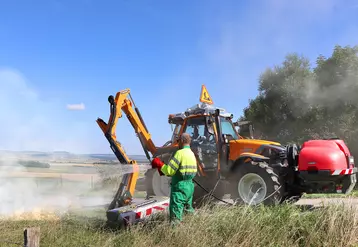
(220, 226)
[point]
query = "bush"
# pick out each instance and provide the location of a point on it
(32, 163)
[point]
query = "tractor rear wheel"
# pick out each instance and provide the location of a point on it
(155, 184)
(257, 183)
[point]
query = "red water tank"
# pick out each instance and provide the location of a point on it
(323, 155)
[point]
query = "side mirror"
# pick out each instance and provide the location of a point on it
(251, 127)
(209, 126)
(227, 138)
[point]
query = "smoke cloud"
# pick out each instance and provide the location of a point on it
(29, 122)
(328, 88)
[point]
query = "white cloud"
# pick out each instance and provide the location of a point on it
(76, 107)
(28, 122)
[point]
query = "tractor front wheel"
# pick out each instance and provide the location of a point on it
(256, 183)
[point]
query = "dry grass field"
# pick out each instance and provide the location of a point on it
(68, 201)
(220, 226)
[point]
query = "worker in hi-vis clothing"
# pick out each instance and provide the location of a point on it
(182, 168)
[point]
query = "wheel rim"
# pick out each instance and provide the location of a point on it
(252, 189)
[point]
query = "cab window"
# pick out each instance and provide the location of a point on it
(195, 127)
(227, 128)
(176, 133)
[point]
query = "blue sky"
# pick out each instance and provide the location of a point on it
(54, 53)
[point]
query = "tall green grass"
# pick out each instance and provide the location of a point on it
(285, 225)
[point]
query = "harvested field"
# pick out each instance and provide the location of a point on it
(79, 177)
(70, 210)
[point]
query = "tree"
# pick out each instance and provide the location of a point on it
(297, 103)
(280, 107)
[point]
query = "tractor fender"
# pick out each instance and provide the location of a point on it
(245, 157)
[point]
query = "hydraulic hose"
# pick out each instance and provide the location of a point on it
(211, 193)
(232, 204)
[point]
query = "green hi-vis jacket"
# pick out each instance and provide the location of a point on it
(183, 161)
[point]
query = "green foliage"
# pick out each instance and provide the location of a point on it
(297, 103)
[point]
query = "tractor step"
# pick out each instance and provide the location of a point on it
(137, 211)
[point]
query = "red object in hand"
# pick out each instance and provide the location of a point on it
(157, 163)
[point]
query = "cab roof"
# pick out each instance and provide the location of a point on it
(198, 109)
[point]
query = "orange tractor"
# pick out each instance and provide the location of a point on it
(250, 171)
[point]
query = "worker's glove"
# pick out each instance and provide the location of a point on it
(157, 163)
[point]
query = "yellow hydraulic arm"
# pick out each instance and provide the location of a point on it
(117, 104)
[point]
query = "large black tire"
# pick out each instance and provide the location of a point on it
(202, 196)
(273, 191)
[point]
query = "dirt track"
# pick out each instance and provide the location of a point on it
(319, 202)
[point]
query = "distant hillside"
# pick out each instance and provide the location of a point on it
(67, 155)
(26, 163)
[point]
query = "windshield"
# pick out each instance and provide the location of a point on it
(196, 128)
(175, 133)
(227, 128)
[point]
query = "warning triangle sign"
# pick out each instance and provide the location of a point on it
(205, 96)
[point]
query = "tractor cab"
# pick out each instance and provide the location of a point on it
(212, 132)
(209, 127)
